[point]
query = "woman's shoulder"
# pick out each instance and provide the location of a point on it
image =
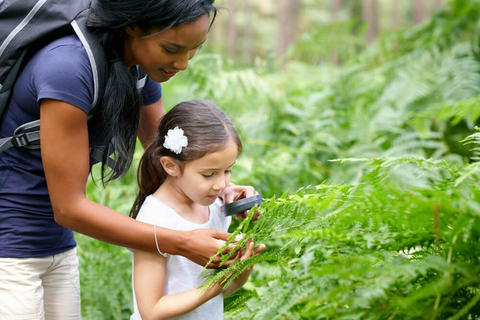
(61, 70)
(68, 40)
(66, 55)
(65, 48)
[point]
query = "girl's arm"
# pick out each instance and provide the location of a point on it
(65, 156)
(149, 278)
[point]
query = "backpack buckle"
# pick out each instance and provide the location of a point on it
(30, 140)
(19, 140)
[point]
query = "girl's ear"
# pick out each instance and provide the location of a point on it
(170, 166)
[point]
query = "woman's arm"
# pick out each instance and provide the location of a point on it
(65, 156)
(149, 278)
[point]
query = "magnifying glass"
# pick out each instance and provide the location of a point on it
(242, 205)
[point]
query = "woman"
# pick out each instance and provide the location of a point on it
(42, 192)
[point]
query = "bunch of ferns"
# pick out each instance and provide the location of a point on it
(383, 248)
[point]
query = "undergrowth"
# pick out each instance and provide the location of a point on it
(382, 248)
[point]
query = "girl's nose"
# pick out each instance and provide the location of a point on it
(220, 183)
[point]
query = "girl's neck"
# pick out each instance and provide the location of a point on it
(173, 197)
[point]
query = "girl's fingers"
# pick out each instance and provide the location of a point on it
(259, 249)
(248, 250)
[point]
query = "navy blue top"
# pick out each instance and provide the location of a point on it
(60, 71)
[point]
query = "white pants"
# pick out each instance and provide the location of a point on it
(46, 288)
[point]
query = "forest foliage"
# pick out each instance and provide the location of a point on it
(370, 173)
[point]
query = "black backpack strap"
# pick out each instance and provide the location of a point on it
(5, 143)
(96, 56)
(6, 88)
(99, 65)
(28, 135)
(96, 153)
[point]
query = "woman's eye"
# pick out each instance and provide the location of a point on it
(228, 171)
(170, 51)
(208, 175)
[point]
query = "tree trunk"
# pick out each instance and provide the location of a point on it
(232, 29)
(370, 16)
(419, 11)
(288, 23)
(438, 3)
(248, 37)
(396, 14)
(336, 6)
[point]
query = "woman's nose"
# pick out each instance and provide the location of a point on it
(181, 63)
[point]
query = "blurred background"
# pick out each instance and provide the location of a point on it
(313, 31)
(310, 81)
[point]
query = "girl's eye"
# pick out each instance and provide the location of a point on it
(228, 171)
(198, 48)
(207, 175)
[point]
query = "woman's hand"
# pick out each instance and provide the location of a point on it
(202, 244)
(233, 193)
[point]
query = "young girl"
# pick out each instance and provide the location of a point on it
(181, 176)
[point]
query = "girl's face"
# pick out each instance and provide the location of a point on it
(161, 56)
(204, 179)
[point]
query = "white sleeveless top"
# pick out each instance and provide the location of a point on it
(181, 273)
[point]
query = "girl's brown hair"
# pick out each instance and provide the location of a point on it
(207, 128)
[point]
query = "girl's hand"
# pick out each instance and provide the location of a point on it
(233, 193)
(245, 254)
(243, 277)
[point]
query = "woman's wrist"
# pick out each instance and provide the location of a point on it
(172, 241)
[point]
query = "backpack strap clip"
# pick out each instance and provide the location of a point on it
(26, 136)
(27, 139)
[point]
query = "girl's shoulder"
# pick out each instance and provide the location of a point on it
(154, 211)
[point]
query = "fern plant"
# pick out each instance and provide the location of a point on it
(378, 249)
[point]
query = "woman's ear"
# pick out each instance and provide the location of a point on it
(133, 30)
(170, 166)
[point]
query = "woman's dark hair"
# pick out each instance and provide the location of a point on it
(121, 103)
(207, 129)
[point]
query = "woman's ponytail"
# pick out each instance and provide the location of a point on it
(120, 109)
